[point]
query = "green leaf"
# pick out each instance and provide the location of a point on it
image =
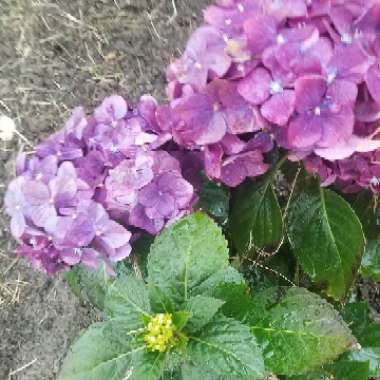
(256, 218)
(180, 319)
(185, 255)
(90, 285)
(192, 372)
(140, 251)
(127, 298)
(370, 268)
(237, 301)
(297, 330)
(228, 275)
(327, 239)
(343, 369)
(202, 309)
(215, 200)
(97, 356)
(367, 333)
(227, 348)
(148, 365)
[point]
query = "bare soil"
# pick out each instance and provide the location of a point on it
(55, 55)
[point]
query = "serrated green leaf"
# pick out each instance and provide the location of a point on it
(327, 238)
(367, 333)
(148, 365)
(297, 330)
(97, 356)
(202, 309)
(215, 200)
(185, 255)
(128, 299)
(370, 268)
(227, 348)
(90, 285)
(256, 217)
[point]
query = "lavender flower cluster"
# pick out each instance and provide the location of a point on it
(77, 198)
(304, 72)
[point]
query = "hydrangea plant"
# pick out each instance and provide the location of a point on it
(271, 103)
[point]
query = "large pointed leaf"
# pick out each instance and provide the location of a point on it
(327, 239)
(367, 333)
(228, 349)
(192, 372)
(127, 298)
(297, 330)
(185, 255)
(256, 218)
(97, 356)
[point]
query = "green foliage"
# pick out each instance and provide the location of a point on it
(185, 255)
(256, 218)
(215, 200)
(327, 238)
(290, 323)
(368, 335)
(141, 340)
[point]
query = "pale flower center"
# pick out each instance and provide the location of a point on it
(240, 7)
(346, 39)
(375, 181)
(317, 111)
(280, 39)
(275, 87)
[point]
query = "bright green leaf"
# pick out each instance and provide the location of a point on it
(185, 255)
(297, 330)
(256, 218)
(97, 356)
(327, 239)
(227, 348)
(127, 298)
(180, 319)
(202, 310)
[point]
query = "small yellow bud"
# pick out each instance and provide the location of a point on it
(160, 333)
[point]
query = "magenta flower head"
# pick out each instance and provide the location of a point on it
(306, 72)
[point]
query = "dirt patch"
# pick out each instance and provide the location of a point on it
(56, 55)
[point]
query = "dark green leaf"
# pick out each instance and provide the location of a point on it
(370, 268)
(256, 218)
(180, 319)
(297, 330)
(202, 309)
(185, 255)
(90, 285)
(228, 349)
(97, 356)
(327, 239)
(238, 302)
(215, 200)
(343, 369)
(127, 298)
(140, 251)
(367, 333)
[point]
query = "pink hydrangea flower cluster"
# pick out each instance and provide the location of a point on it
(306, 72)
(86, 187)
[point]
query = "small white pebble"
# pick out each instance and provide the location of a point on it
(7, 128)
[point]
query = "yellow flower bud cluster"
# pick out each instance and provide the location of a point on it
(160, 334)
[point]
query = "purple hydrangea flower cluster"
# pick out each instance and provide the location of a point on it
(77, 199)
(305, 72)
